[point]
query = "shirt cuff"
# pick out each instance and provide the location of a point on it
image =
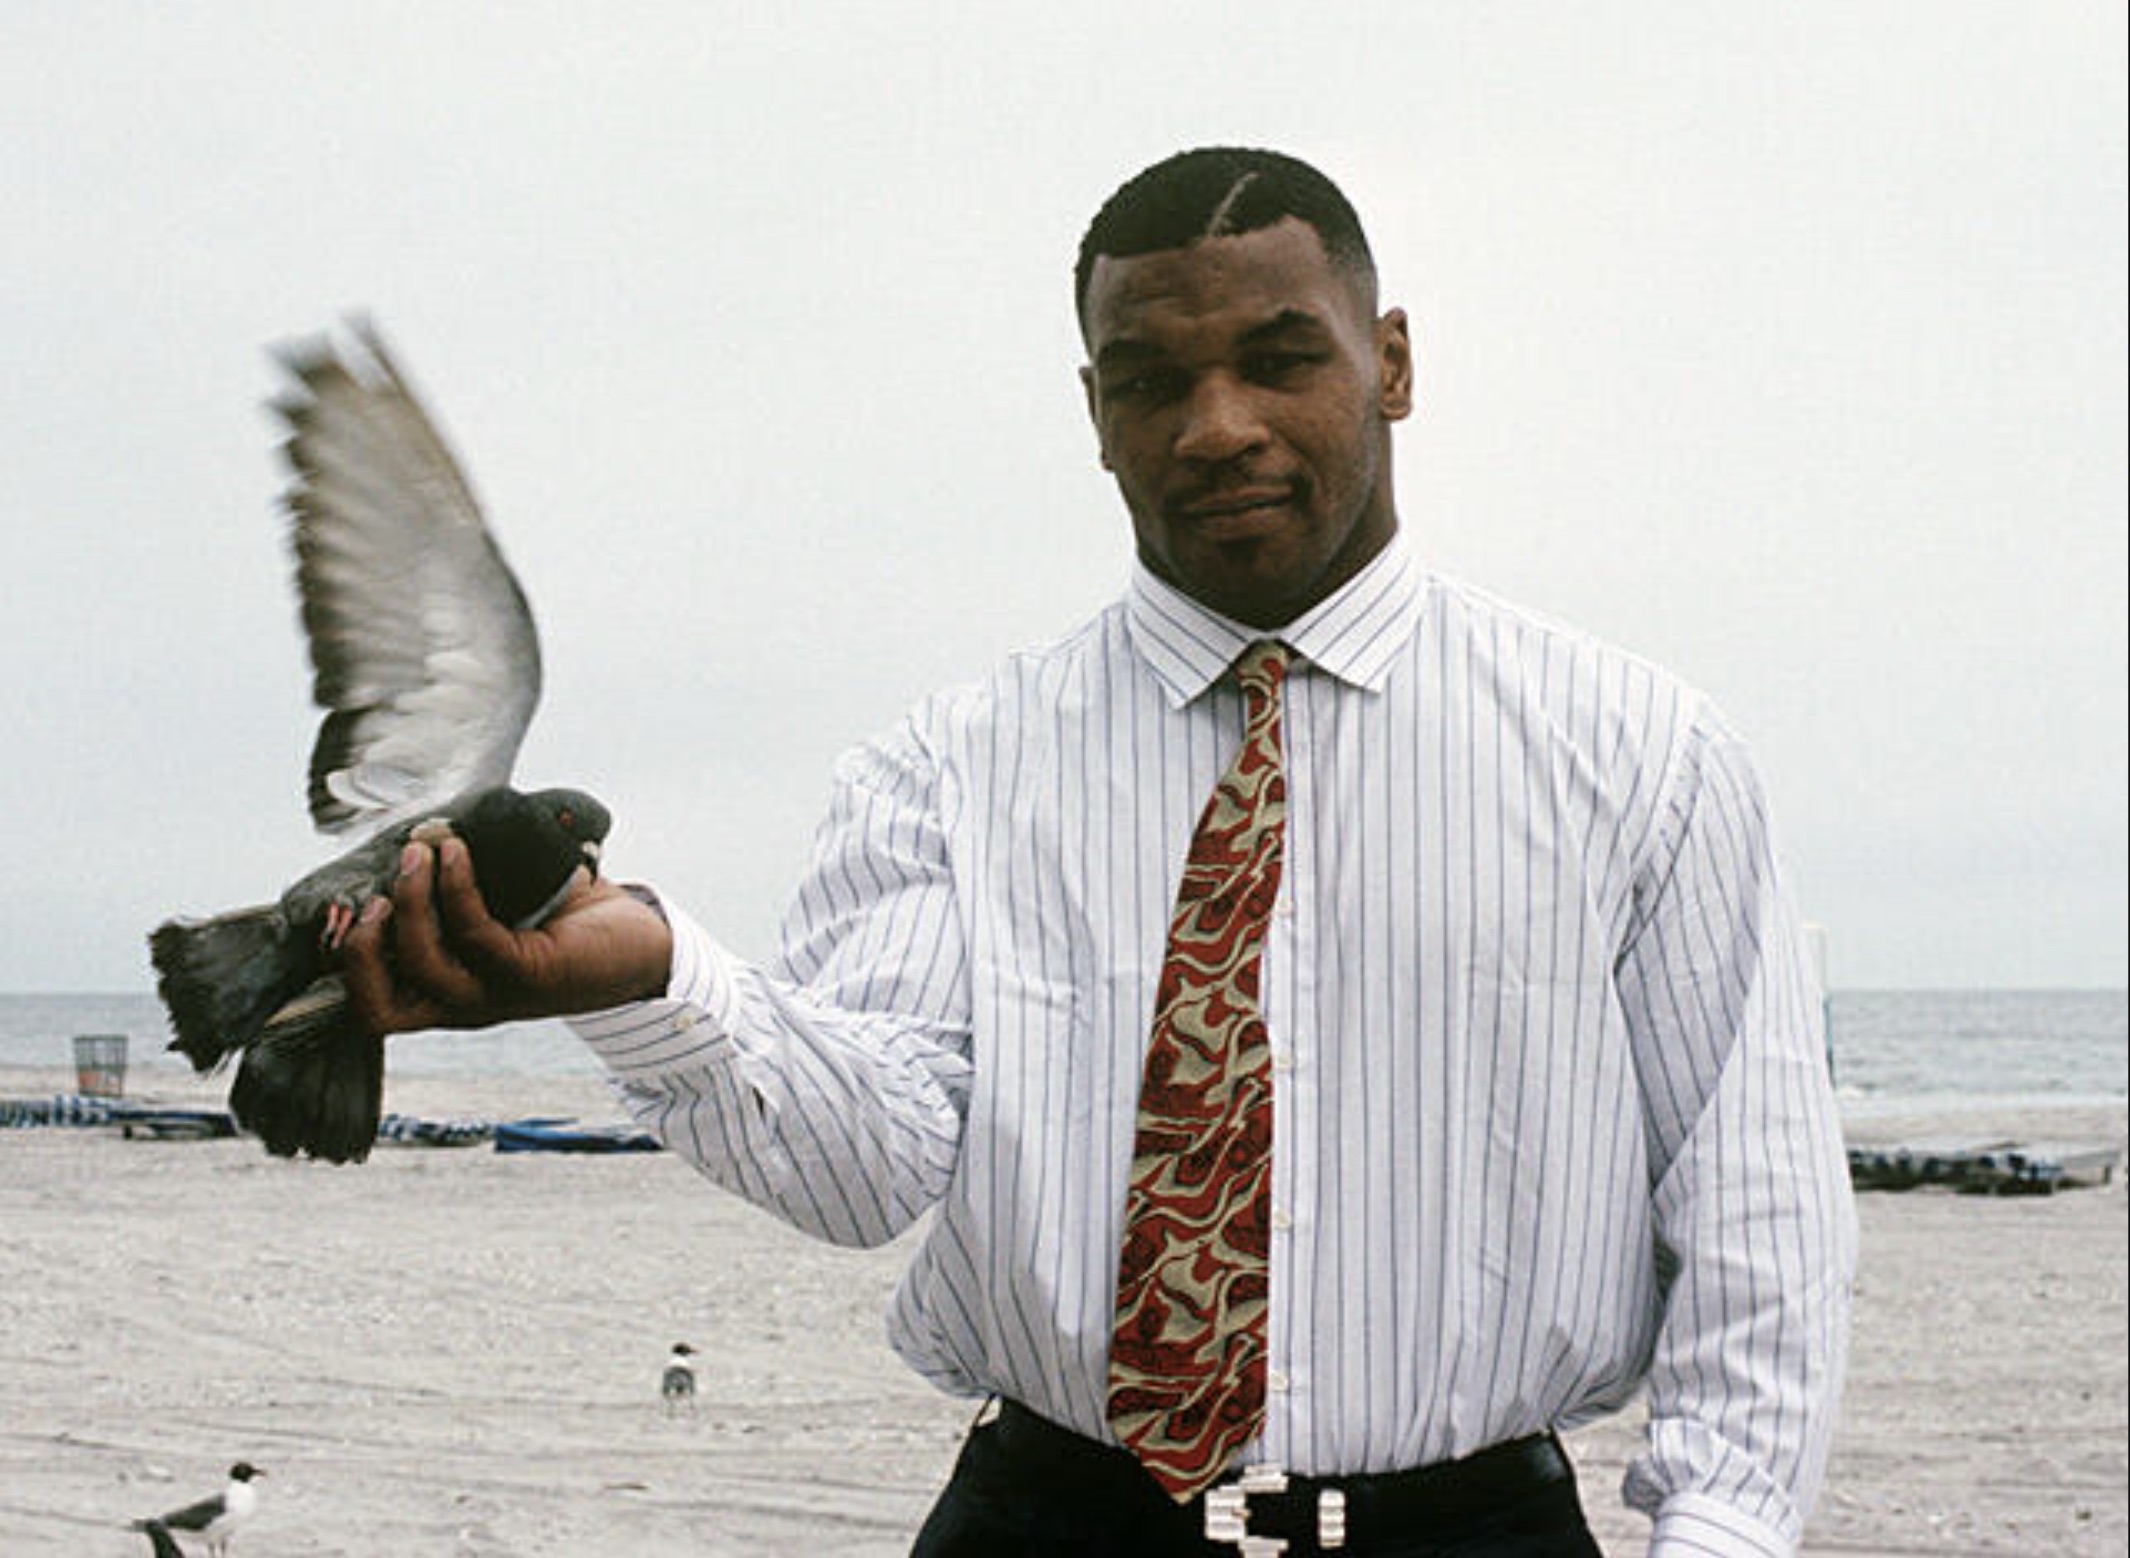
(1694, 1525)
(690, 1025)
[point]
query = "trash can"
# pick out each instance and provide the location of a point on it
(100, 1064)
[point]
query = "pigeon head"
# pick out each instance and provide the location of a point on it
(580, 817)
(244, 1471)
(527, 847)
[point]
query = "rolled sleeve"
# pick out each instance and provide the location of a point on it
(1691, 1526)
(688, 1027)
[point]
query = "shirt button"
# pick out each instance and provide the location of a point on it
(1276, 1381)
(1281, 1220)
(683, 1021)
(1283, 1060)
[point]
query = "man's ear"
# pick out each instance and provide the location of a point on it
(1394, 366)
(1094, 414)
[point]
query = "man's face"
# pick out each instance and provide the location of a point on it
(1243, 395)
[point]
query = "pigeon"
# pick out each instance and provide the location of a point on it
(214, 1519)
(426, 663)
(676, 1386)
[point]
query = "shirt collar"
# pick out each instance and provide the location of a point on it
(1354, 633)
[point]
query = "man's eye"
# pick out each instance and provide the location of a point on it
(1272, 366)
(1149, 384)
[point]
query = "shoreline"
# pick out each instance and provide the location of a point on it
(419, 1084)
(455, 1351)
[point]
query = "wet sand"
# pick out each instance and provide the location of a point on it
(453, 1351)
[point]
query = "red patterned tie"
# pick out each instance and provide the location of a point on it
(1187, 1359)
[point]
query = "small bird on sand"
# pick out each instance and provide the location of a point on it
(676, 1386)
(427, 665)
(213, 1519)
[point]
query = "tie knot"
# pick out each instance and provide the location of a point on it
(1261, 669)
(1264, 663)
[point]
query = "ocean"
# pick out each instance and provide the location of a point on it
(1892, 1049)
(39, 1030)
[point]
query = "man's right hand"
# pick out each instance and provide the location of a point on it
(432, 956)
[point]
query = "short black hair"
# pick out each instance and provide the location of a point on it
(1219, 191)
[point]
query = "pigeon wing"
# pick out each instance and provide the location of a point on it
(423, 650)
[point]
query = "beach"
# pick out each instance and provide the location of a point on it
(455, 1351)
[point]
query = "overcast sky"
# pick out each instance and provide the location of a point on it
(1781, 344)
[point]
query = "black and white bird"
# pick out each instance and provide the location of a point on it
(427, 665)
(214, 1519)
(676, 1386)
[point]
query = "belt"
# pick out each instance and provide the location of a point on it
(1260, 1509)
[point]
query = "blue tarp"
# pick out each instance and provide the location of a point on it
(80, 1109)
(544, 1134)
(564, 1135)
(1998, 1168)
(406, 1131)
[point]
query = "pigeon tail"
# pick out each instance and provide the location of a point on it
(222, 978)
(311, 1083)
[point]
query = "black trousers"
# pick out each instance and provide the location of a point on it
(1024, 1488)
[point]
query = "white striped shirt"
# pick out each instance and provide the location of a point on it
(1551, 1111)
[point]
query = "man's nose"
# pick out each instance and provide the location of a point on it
(1220, 421)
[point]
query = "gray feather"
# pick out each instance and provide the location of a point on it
(423, 649)
(426, 665)
(255, 983)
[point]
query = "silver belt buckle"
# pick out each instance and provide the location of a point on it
(1228, 1513)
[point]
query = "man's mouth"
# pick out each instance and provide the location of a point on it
(1234, 510)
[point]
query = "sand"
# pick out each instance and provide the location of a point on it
(456, 1352)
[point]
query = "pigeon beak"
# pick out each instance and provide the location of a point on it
(589, 849)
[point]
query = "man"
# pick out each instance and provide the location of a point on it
(1300, 1160)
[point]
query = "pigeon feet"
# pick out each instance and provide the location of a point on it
(339, 920)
